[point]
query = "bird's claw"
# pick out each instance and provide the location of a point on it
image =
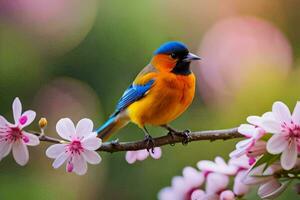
(186, 137)
(115, 142)
(150, 143)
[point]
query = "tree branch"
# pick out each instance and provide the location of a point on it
(169, 139)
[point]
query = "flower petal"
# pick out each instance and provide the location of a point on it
(84, 127)
(257, 175)
(60, 160)
(33, 139)
(20, 152)
(216, 182)
(3, 121)
(167, 194)
(277, 144)
(17, 109)
(130, 157)
(268, 115)
(227, 195)
(237, 153)
(288, 157)
(247, 130)
(268, 188)
(281, 112)
(65, 128)
(272, 189)
(194, 177)
(91, 143)
(55, 150)
(240, 162)
(244, 144)
(255, 120)
(271, 126)
(258, 149)
(91, 157)
(142, 154)
(5, 148)
(239, 187)
(30, 114)
(80, 165)
(210, 166)
(296, 113)
(178, 184)
(157, 153)
(198, 195)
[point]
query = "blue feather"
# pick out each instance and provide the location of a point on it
(106, 124)
(133, 93)
(171, 47)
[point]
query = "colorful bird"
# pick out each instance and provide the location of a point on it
(161, 92)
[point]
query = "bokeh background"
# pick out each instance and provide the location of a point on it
(74, 58)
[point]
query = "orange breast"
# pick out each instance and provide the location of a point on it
(169, 97)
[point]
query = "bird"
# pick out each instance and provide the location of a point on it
(159, 94)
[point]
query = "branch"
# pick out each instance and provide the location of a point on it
(169, 139)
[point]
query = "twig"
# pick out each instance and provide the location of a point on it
(111, 147)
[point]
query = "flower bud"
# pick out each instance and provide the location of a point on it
(43, 122)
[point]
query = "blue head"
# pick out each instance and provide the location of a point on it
(173, 57)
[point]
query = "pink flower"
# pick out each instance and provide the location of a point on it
(239, 188)
(132, 156)
(198, 195)
(182, 187)
(12, 136)
(219, 166)
(216, 183)
(253, 132)
(269, 187)
(201, 195)
(227, 195)
(79, 150)
(285, 128)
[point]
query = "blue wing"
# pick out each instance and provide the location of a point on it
(133, 93)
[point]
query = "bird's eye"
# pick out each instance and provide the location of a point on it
(173, 55)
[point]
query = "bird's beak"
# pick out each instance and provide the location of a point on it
(190, 57)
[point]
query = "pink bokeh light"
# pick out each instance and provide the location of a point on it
(237, 49)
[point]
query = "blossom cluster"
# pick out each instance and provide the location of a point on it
(77, 147)
(268, 157)
(276, 133)
(211, 181)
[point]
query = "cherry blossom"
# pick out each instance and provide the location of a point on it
(216, 183)
(253, 131)
(13, 137)
(269, 187)
(140, 155)
(219, 166)
(285, 128)
(182, 187)
(80, 148)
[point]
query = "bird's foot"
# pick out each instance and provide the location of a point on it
(186, 137)
(185, 134)
(149, 142)
(115, 142)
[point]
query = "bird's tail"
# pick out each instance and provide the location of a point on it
(113, 124)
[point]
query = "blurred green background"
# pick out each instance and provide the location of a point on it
(72, 58)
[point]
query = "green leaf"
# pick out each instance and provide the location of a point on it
(267, 159)
(266, 137)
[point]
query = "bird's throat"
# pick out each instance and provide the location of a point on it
(182, 68)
